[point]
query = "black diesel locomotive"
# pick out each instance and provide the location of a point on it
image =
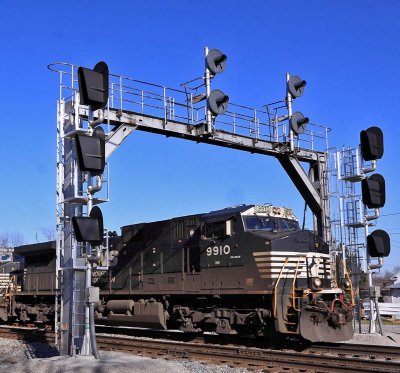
(248, 269)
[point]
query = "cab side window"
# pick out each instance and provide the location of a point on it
(215, 229)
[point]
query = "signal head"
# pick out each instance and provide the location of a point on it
(373, 191)
(371, 141)
(91, 151)
(93, 85)
(216, 61)
(89, 228)
(218, 102)
(296, 86)
(378, 243)
(298, 122)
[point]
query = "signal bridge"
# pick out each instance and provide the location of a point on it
(122, 105)
(134, 104)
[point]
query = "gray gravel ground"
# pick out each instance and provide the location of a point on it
(391, 336)
(18, 356)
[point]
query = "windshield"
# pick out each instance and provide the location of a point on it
(269, 224)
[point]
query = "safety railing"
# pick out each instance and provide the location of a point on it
(300, 267)
(349, 163)
(346, 272)
(277, 283)
(269, 123)
(294, 282)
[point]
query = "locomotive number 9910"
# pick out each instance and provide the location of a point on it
(218, 250)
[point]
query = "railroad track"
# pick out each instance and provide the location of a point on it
(27, 334)
(371, 352)
(268, 360)
(316, 358)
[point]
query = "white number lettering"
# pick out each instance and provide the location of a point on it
(218, 250)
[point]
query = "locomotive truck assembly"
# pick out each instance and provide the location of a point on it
(247, 269)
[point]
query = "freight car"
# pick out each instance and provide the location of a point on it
(248, 269)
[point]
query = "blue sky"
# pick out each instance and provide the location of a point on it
(346, 50)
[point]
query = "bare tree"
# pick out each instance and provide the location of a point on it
(4, 239)
(396, 269)
(49, 232)
(385, 276)
(17, 239)
(11, 239)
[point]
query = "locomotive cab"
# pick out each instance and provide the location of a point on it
(295, 265)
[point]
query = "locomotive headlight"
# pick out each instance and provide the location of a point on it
(317, 282)
(346, 284)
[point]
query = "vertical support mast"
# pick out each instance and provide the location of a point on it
(70, 261)
(289, 100)
(372, 325)
(207, 81)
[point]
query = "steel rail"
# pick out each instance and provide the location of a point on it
(254, 358)
(343, 357)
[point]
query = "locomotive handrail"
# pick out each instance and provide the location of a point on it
(277, 282)
(9, 291)
(346, 272)
(334, 281)
(294, 281)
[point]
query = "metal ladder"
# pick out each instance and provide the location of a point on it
(293, 308)
(291, 316)
(292, 311)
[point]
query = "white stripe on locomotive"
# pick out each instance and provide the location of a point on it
(269, 264)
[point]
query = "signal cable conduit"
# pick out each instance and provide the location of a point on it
(92, 331)
(99, 120)
(371, 169)
(378, 265)
(92, 189)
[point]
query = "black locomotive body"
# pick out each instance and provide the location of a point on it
(247, 269)
(30, 294)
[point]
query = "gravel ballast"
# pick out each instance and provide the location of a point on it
(19, 356)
